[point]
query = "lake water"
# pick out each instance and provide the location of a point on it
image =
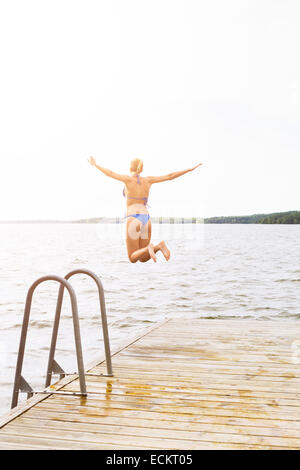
(215, 271)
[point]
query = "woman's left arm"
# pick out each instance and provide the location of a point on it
(107, 172)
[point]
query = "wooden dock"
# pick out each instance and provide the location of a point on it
(185, 384)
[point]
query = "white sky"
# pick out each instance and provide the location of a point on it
(173, 82)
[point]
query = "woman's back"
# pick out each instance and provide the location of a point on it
(136, 189)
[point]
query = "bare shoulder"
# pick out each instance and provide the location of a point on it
(159, 179)
(126, 178)
(149, 179)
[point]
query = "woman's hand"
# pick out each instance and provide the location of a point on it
(194, 167)
(92, 161)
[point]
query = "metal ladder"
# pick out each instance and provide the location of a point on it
(20, 384)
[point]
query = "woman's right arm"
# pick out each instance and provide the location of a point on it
(170, 176)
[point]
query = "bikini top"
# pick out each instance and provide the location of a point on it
(145, 199)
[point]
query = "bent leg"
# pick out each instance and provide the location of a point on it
(143, 254)
(145, 242)
(161, 246)
(164, 249)
(138, 243)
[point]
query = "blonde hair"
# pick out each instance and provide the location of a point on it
(136, 166)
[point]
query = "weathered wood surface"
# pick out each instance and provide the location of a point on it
(186, 384)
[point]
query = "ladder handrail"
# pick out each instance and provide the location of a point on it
(18, 374)
(57, 318)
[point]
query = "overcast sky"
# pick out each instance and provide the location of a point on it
(173, 82)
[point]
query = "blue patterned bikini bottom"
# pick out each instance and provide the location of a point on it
(141, 217)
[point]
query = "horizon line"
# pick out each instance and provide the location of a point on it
(178, 217)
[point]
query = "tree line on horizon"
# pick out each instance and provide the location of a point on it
(291, 217)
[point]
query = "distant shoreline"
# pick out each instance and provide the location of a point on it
(291, 217)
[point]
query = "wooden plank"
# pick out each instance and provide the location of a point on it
(232, 324)
(208, 376)
(34, 441)
(234, 334)
(182, 353)
(245, 358)
(231, 392)
(233, 321)
(190, 365)
(200, 346)
(227, 328)
(219, 369)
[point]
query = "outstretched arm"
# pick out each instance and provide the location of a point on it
(107, 172)
(171, 176)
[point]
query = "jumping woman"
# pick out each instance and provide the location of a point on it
(138, 223)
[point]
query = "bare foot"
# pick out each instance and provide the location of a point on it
(165, 250)
(151, 252)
